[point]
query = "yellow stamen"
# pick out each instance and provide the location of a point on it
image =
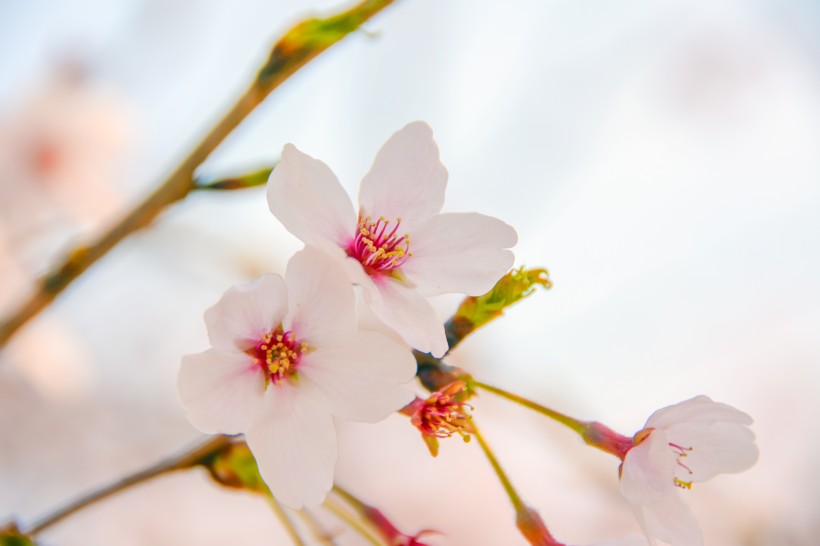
(682, 484)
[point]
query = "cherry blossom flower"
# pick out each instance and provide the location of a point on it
(690, 442)
(287, 358)
(443, 414)
(399, 247)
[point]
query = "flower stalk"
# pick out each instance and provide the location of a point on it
(375, 517)
(513, 495)
(319, 531)
(287, 522)
(527, 520)
(593, 433)
(337, 510)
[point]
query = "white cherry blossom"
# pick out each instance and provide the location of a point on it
(690, 442)
(286, 358)
(399, 247)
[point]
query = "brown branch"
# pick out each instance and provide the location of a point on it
(295, 49)
(196, 456)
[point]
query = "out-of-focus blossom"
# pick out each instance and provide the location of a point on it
(54, 360)
(692, 441)
(399, 247)
(287, 358)
(61, 153)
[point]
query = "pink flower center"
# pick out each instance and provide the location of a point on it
(379, 249)
(278, 354)
(444, 413)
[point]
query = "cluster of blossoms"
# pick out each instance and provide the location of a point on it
(288, 357)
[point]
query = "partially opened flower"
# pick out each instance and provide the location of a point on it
(681, 445)
(399, 247)
(443, 414)
(287, 358)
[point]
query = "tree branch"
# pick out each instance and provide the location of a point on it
(196, 456)
(296, 48)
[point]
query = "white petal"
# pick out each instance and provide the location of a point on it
(670, 520)
(305, 195)
(408, 313)
(700, 409)
(246, 312)
(637, 510)
(222, 392)
(460, 252)
(407, 180)
(721, 448)
(294, 443)
(648, 470)
(322, 302)
(362, 380)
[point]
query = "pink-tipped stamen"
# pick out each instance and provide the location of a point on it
(277, 354)
(378, 250)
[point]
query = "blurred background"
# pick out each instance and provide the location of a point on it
(660, 158)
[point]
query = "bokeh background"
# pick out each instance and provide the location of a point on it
(660, 158)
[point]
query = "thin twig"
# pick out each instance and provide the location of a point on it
(578, 426)
(350, 520)
(290, 527)
(185, 460)
(515, 499)
(321, 533)
(296, 48)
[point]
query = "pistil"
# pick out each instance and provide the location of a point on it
(278, 354)
(378, 250)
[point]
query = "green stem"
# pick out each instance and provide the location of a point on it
(517, 503)
(354, 524)
(349, 497)
(578, 426)
(191, 458)
(593, 433)
(316, 527)
(285, 519)
(292, 51)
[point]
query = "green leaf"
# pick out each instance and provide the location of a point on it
(240, 182)
(310, 37)
(476, 311)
